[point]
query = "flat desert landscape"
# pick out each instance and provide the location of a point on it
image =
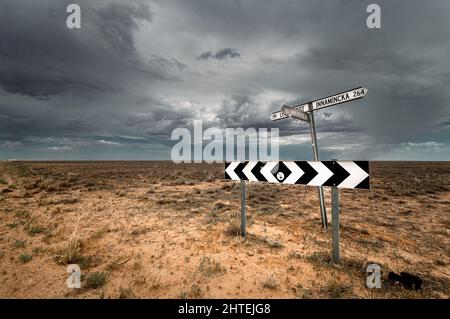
(161, 230)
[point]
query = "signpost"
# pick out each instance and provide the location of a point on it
(300, 111)
(336, 174)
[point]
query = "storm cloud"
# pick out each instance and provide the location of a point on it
(117, 87)
(220, 55)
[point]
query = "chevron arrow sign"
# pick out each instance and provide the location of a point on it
(341, 174)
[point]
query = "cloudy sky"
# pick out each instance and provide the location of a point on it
(117, 87)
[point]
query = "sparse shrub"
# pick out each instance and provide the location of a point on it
(319, 258)
(25, 257)
(218, 205)
(154, 282)
(336, 290)
(38, 250)
(274, 243)
(96, 280)
(71, 254)
(195, 292)
(23, 214)
(68, 201)
(294, 254)
(139, 231)
(210, 267)
(113, 265)
(19, 244)
(126, 293)
(270, 283)
(233, 228)
(34, 229)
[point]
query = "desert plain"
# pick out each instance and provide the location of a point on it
(162, 230)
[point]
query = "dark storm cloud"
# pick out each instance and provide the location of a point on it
(220, 55)
(133, 72)
(40, 57)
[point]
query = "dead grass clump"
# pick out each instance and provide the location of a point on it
(126, 293)
(270, 283)
(273, 243)
(23, 214)
(209, 267)
(96, 280)
(139, 231)
(319, 259)
(69, 201)
(194, 292)
(71, 254)
(35, 229)
(336, 290)
(219, 206)
(233, 229)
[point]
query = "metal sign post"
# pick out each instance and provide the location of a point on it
(301, 112)
(323, 210)
(243, 211)
(335, 222)
(335, 174)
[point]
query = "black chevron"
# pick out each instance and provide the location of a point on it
(257, 171)
(310, 172)
(339, 173)
(226, 174)
(366, 182)
(239, 172)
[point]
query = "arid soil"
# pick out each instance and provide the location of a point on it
(160, 230)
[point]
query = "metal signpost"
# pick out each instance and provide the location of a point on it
(305, 112)
(335, 222)
(243, 210)
(336, 174)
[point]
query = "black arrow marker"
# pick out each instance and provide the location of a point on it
(365, 184)
(239, 172)
(257, 172)
(309, 174)
(339, 173)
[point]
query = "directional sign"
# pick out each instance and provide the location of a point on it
(279, 115)
(341, 174)
(328, 101)
(339, 98)
(295, 113)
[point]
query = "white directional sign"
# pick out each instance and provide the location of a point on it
(339, 98)
(331, 100)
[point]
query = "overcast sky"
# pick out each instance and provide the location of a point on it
(116, 88)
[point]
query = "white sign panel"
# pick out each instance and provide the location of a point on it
(339, 98)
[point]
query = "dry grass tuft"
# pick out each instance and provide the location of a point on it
(270, 283)
(233, 228)
(209, 267)
(71, 254)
